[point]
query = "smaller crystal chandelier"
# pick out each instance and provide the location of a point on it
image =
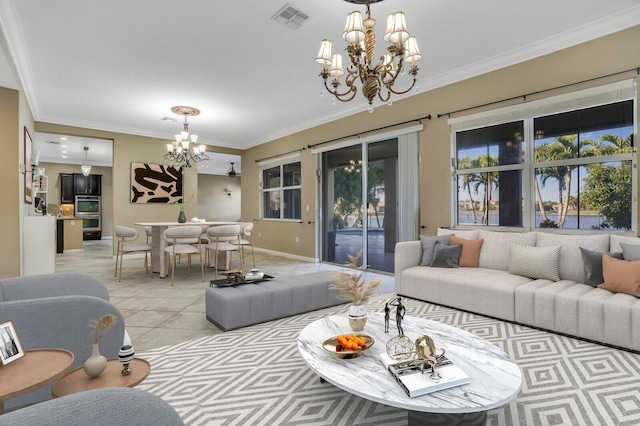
(361, 43)
(86, 168)
(184, 151)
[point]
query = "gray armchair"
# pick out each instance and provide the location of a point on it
(53, 311)
(111, 406)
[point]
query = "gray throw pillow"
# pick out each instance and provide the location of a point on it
(428, 245)
(592, 266)
(445, 256)
(630, 251)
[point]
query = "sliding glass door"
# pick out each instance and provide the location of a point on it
(360, 184)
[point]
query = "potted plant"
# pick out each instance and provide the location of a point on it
(353, 287)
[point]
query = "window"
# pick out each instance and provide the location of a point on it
(281, 191)
(546, 168)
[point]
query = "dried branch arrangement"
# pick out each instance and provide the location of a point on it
(103, 324)
(352, 286)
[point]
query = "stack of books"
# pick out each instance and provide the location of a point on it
(415, 382)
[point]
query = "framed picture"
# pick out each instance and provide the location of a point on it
(28, 178)
(10, 346)
(155, 183)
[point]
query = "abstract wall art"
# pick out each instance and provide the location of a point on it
(155, 183)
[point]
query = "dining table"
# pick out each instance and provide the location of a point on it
(159, 243)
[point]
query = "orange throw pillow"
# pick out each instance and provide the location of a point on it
(470, 254)
(621, 276)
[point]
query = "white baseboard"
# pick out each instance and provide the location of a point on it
(289, 255)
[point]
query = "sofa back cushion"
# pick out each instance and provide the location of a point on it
(616, 239)
(469, 234)
(495, 247)
(571, 265)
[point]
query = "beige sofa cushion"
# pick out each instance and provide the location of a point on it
(571, 266)
(495, 247)
(616, 239)
(469, 234)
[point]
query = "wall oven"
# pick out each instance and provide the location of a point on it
(90, 223)
(88, 209)
(87, 205)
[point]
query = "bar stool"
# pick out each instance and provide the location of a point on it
(126, 235)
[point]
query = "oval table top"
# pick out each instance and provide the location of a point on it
(495, 378)
(36, 368)
(77, 380)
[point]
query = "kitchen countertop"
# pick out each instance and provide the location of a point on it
(69, 218)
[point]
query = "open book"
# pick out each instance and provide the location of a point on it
(416, 383)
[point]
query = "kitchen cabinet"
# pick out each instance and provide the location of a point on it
(67, 188)
(87, 185)
(72, 184)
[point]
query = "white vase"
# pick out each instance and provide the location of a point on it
(96, 363)
(357, 317)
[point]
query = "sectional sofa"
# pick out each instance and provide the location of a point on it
(511, 276)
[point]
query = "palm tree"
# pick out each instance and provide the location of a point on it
(487, 180)
(467, 180)
(563, 148)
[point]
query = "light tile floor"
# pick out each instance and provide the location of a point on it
(157, 314)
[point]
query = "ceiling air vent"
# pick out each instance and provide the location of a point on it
(290, 17)
(52, 142)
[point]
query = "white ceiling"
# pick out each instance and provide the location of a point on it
(120, 65)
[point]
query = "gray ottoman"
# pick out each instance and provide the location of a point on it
(247, 304)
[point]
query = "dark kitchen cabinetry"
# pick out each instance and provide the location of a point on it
(67, 188)
(72, 184)
(87, 185)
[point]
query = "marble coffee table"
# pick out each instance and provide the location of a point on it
(495, 378)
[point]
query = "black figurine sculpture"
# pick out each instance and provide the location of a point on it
(386, 317)
(400, 311)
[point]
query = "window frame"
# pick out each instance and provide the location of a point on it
(279, 163)
(526, 113)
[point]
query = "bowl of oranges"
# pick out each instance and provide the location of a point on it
(348, 345)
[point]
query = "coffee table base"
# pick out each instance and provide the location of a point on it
(418, 418)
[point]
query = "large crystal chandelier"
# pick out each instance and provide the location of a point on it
(377, 79)
(184, 151)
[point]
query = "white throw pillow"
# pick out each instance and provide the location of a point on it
(535, 262)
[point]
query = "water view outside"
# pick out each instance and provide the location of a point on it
(580, 170)
(571, 221)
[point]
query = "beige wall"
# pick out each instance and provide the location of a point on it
(53, 171)
(10, 209)
(213, 203)
(590, 60)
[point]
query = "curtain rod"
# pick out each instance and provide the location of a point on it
(280, 155)
(524, 97)
(428, 117)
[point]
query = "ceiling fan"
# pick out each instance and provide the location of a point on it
(232, 172)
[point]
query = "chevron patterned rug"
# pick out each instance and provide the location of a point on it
(254, 376)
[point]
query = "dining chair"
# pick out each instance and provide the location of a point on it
(125, 237)
(183, 240)
(246, 239)
(223, 238)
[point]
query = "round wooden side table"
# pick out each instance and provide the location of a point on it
(35, 369)
(77, 380)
